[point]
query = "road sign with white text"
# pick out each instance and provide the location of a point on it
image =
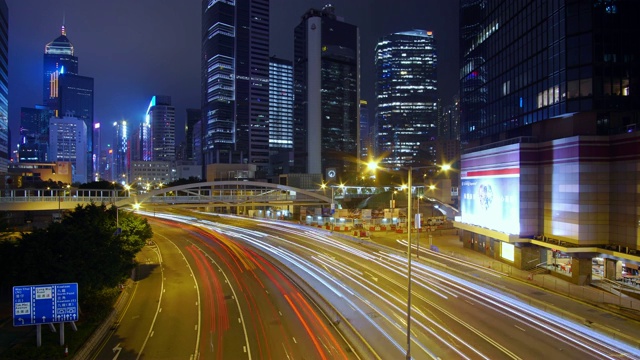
(44, 304)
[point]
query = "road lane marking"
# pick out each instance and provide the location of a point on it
(285, 351)
(519, 328)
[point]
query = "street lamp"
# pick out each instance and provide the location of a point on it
(418, 227)
(445, 167)
(393, 204)
(323, 186)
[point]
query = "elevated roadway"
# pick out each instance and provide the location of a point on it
(243, 194)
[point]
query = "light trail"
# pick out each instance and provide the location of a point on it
(336, 254)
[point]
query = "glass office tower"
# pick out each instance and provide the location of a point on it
(34, 134)
(280, 103)
(407, 94)
(75, 99)
(4, 87)
(58, 59)
(161, 116)
(280, 115)
(327, 95)
(530, 62)
(193, 118)
(235, 82)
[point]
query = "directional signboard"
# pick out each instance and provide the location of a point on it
(43, 304)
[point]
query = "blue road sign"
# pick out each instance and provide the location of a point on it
(44, 304)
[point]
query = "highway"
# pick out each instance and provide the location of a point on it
(199, 295)
(452, 315)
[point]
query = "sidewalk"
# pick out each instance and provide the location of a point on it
(617, 316)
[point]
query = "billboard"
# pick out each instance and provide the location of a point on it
(491, 199)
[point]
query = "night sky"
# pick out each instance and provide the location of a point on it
(135, 49)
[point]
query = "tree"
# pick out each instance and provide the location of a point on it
(84, 248)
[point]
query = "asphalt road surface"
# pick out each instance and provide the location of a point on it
(199, 295)
(452, 316)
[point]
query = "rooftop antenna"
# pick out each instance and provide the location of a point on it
(64, 32)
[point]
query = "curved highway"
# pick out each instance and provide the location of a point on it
(199, 295)
(451, 317)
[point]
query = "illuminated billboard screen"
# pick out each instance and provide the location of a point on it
(491, 199)
(507, 251)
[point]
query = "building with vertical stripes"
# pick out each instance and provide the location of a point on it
(235, 83)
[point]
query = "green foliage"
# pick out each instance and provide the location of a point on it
(41, 184)
(101, 185)
(82, 248)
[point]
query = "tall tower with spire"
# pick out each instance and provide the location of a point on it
(58, 59)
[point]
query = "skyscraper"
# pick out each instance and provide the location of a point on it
(4, 87)
(120, 153)
(367, 150)
(193, 117)
(34, 134)
(75, 99)
(68, 143)
(235, 82)
(96, 160)
(58, 59)
(327, 95)
(280, 115)
(550, 107)
(407, 94)
(161, 115)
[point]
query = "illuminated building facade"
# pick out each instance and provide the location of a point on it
(161, 117)
(280, 104)
(4, 87)
(96, 156)
(235, 82)
(75, 99)
(367, 148)
(120, 153)
(58, 59)
(34, 134)
(280, 115)
(68, 143)
(326, 75)
(407, 96)
(550, 103)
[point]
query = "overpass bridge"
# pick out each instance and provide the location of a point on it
(225, 196)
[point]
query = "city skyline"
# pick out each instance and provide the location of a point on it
(129, 66)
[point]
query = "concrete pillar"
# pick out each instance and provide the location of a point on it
(581, 271)
(610, 269)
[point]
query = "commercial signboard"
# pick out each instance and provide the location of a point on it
(44, 304)
(491, 199)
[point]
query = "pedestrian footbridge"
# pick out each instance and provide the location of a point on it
(240, 195)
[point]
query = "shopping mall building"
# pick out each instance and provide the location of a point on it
(549, 122)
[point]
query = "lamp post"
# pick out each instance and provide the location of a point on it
(409, 265)
(393, 204)
(418, 227)
(323, 186)
(445, 167)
